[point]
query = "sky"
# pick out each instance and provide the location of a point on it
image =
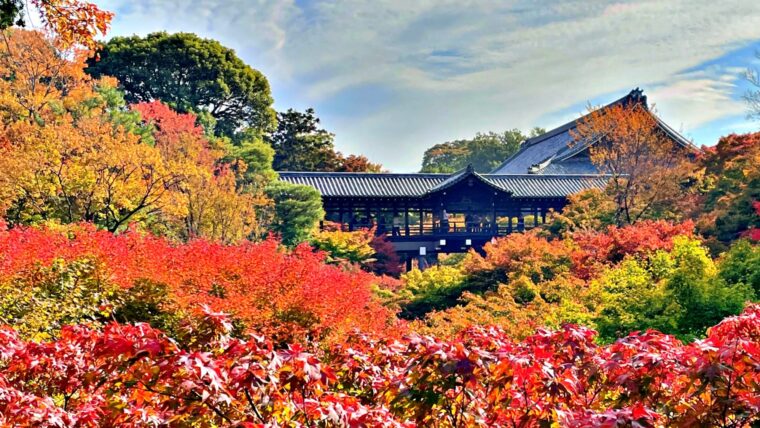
(393, 77)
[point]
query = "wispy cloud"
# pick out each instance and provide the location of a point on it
(421, 72)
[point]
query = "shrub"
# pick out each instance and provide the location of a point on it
(678, 292)
(434, 288)
(128, 375)
(268, 289)
(741, 265)
(297, 211)
(343, 246)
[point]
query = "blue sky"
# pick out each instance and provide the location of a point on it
(392, 77)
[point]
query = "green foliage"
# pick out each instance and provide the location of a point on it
(588, 210)
(297, 211)
(121, 116)
(257, 157)
(631, 300)
(484, 152)
(352, 247)
(740, 265)
(300, 144)
(677, 292)
(40, 302)
(11, 13)
(147, 301)
(190, 74)
(437, 287)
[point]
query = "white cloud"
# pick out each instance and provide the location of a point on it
(697, 100)
(453, 68)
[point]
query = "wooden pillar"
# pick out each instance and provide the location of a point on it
(422, 222)
(494, 226)
(535, 214)
(350, 216)
(543, 214)
(406, 220)
(520, 221)
(509, 223)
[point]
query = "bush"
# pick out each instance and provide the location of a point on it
(297, 211)
(40, 300)
(343, 246)
(130, 375)
(266, 288)
(678, 292)
(741, 265)
(434, 288)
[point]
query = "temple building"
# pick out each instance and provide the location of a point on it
(427, 214)
(553, 152)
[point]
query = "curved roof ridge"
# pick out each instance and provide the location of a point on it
(534, 157)
(460, 175)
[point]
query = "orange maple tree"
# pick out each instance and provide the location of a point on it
(646, 167)
(75, 23)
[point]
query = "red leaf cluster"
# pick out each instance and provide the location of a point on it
(612, 245)
(169, 124)
(271, 290)
(135, 376)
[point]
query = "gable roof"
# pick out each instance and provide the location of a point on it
(553, 152)
(459, 176)
(387, 185)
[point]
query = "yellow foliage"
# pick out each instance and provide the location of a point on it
(63, 156)
(342, 245)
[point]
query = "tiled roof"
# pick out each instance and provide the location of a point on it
(459, 176)
(337, 184)
(539, 154)
(366, 184)
(531, 185)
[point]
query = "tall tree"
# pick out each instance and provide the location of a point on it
(732, 187)
(300, 143)
(646, 167)
(357, 163)
(484, 152)
(298, 209)
(190, 74)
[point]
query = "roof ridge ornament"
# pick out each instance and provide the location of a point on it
(636, 96)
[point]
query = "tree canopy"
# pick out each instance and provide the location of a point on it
(731, 187)
(646, 167)
(301, 144)
(191, 74)
(79, 153)
(484, 152)
(75, 23)
(298, 209)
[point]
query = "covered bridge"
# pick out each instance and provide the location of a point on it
(426, 214)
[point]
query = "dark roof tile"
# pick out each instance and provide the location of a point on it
(332, 184)
(556, 145)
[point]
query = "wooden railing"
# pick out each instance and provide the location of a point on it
(454, 228)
